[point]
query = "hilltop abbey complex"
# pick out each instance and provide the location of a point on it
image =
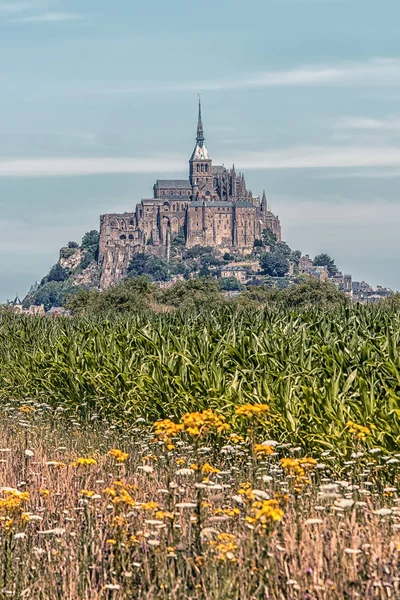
(213, 207)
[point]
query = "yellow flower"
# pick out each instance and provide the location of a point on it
(111, 541)
(87, 493)
(118, 455)
(252, 410)
(83, 462)
(43, 492)
(262, 450)
(359, 431)
(26, 409)
(207, 468)
(150, 505)
(267, 511)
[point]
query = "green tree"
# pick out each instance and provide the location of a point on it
(52, 293)
(274, 264)
(90, 242)
(283, 248)
(313, 292)
(193, 294)
(136, 294)
(324, 260)
(73, 245)
(57, 273)
(144, 264)
(268, 237)
(229, 284)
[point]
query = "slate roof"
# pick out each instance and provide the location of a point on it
(212, 204)
(244, 204)
(218, 169)
(173, 184)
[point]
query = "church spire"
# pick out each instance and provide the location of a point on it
(264, 203)
(200, 133)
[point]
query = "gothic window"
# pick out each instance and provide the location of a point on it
(131, 222)
(131, 237)
(122, 237)
(198, 168)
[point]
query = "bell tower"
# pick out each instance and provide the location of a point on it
(200, 163)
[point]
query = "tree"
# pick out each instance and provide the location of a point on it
(274, 264)
(193, 294)
(283, 248)
(313, 292)
(227, 257)
(90, 242)
(229, 284)
(136, 294)
(324, 260)
(73, 245)
(268, 237)
(57, 273)
(52, 293)
(144, 264)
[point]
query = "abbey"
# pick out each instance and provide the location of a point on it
(213, 207)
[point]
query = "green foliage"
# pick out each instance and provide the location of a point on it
(67, 252)
(274, 264)
(324, 260)
(268, 238)
(312, 292)
(316, 368)
(51, 293)
(57, 273)
(73, 244)
(196, 294)
(145, 264)
(90, 242)
(229, 284)
(136, 294)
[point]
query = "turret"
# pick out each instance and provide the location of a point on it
(200, 163)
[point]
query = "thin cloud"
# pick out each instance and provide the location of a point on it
(374, 72)
(367, 124)
(50, 17)
(9, 8)
(301, 157)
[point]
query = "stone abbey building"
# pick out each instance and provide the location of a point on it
(213, 207)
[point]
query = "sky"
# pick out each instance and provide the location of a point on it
(99, 99)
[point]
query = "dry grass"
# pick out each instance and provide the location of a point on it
(151, 526)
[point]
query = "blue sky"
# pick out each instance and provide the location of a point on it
(98, 99)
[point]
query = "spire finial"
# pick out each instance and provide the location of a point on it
(200, 132)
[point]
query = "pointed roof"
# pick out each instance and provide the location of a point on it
(17, 301)
(200, 152)
(200, 133)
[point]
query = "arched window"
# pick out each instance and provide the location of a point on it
(122, 237)
(198, 168)
(131, 222)
(131, 237)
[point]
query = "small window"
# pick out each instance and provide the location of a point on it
(122, 237)
(131, 222)
(131, 237)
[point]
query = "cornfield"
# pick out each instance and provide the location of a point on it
(316, 369)
(228, 455)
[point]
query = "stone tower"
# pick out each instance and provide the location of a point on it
(200, 165)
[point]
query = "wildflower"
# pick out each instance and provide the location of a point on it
(111, 542)
(88, 493)
(252, 410)
(207, 468)
(262, 450)
(344, 503)
(84, 462)
(149, 505)
(146, 469)
(359, 431)
(266, 511)
(44, 492)
(26, 409)
(55, 463)
(236, 438)
(118, 455)
(28, 453)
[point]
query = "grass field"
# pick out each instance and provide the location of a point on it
(220, 456)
